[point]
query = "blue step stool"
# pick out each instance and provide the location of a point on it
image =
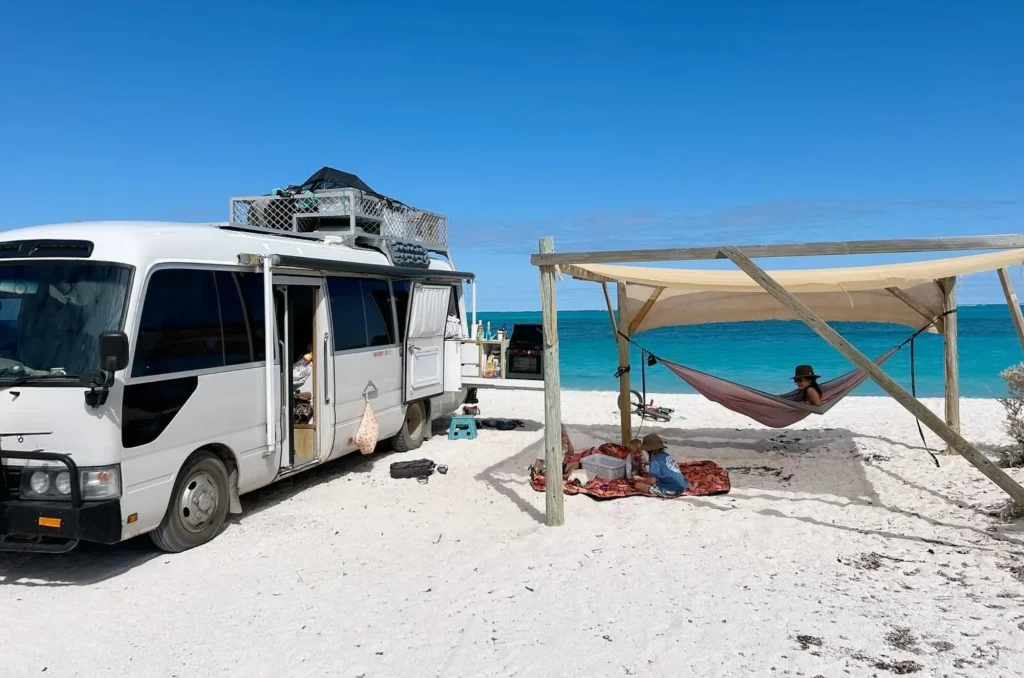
(462, 428)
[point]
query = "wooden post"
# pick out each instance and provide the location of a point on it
(625, 420)
(611, 311)
(644, 310)
(1011, 301)
(952, 359)
(921, 310)
(554, 492)
(915, 406)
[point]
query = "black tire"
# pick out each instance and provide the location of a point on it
(413, 431)
(198, 505)
(639, 399)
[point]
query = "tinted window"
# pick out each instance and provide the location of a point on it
(251, 285)
(180, 326)
(10, 313)
(401, 291)
(380, 326)
(347, 313)
(232, 315)
(51, 314)
(453, 302)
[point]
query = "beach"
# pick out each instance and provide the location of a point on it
(841, 550)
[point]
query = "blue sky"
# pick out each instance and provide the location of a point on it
(606, 125)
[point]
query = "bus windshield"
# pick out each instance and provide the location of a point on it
(52, 313)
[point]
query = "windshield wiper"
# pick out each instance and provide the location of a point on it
(37, 377)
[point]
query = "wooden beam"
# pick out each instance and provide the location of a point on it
(644, 310)
(611, 311)
(1012, 303)
(951, 355)
(921, 309)
(954, 244)
(554, 493)
(625, 416)
(915, 406)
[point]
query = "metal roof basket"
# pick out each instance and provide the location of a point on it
(341, 210)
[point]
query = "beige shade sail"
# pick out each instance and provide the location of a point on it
(856, 293)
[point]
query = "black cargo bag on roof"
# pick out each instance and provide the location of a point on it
(420, 468)
(327, 178)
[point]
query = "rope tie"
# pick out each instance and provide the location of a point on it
(915, 335)
(913, 392)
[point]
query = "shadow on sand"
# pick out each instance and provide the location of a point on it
(742, 451)
(817, 465)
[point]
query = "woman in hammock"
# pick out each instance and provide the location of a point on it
(807, 381)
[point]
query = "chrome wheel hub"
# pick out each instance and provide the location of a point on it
(198, 503)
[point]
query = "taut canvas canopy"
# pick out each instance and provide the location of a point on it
(920, 295)
(903, 294)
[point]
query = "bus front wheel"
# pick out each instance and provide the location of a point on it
(198, 506)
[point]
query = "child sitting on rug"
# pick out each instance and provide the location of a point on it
(636, 460)
(569, 462)
(665, 479)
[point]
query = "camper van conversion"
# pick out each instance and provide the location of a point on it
(136, 393)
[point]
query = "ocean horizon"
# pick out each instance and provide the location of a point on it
(763, 354)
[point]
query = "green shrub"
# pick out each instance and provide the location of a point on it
(1013, 455)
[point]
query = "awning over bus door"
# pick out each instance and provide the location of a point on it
(424, 343)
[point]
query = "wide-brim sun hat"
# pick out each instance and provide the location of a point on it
(804, 372)
(652, 443)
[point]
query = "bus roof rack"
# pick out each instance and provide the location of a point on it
(340, 211)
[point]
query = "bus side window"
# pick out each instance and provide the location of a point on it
(400, 290)
(180, 328)
(237, 339)
(251, 285)
(377, 308)
(348, 313)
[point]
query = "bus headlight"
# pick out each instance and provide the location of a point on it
(39, 482)
(63, 483)
(99, 482)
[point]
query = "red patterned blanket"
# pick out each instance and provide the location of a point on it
(705, 477)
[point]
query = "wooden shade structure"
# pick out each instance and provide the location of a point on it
(911, 294)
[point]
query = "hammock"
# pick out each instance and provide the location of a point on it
(785, 409)
(776, 411)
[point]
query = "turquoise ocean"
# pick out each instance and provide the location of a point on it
(763, 354)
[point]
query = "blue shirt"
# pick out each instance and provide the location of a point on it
(666, 470)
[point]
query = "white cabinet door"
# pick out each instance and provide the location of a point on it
(424, 343)
(453, 365)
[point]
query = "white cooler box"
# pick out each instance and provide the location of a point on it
(604, 466)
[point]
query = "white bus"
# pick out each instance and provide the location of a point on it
(135, 393)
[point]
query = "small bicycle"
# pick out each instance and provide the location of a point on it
(650, 410)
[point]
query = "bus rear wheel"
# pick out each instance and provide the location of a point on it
(198, 506)
(414, 428)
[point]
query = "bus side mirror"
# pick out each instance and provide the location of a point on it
(113, 351)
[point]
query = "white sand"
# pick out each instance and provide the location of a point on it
(350, 573)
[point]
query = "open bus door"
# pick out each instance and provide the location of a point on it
(424, 342)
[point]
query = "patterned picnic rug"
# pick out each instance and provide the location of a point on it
(705, 477)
